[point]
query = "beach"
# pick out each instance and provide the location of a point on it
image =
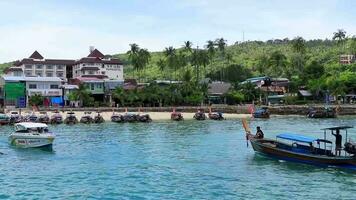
(155, 116)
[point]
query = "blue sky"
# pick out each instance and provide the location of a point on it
(66, 29)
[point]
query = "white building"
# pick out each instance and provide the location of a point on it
(48, 87)
(96, 65)
(37, 66)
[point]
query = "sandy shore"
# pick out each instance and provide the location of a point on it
(156, 116)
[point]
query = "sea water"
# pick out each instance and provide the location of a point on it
(169, 160)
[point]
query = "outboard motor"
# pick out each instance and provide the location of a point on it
(350, 148)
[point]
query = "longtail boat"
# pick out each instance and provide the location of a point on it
(305, 149)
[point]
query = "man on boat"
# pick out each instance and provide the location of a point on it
(259, 133)
(338, 141)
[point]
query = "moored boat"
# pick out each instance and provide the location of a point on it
(305, 149)
(200, 115)
(71, 118)
(43, 118)
(15, 117)
(29, 134)
(86, 118)
(176, 116)
(115, 117)
(56, 118)
(326, 112)
(4, 119)
(31, 117)
(144, 118)
(262, 112)
(215, 115)
(98, 118)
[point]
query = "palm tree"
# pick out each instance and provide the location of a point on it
(161, 63)
(278, 63)
(144, 57)
(221, 44)
(188, 46)
(133, 57)
(211, 48)
(171, 56)
(298, 45)
(196, 63)
(204, 59)
(339, 36)
(82, 94)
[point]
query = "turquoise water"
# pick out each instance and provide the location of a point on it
(168, 160)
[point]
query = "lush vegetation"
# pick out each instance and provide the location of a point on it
(312, 64)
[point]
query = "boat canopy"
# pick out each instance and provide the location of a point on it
(337, 128)
(297, 138)
(29, 125)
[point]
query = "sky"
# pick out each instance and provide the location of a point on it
(66, 28)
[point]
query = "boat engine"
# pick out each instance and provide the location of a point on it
(350, 147)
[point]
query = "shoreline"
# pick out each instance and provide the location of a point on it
(155, 116)
(347, 109)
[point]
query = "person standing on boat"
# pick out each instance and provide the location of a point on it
(338, 141)
(259, 133)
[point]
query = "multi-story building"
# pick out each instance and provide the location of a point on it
(18, 90)
(37, 66)
(37, 75)
(347, 59)
(96, 65)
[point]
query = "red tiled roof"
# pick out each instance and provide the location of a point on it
(36, 55)
(44, 62)
(98, 60)
(96, 54)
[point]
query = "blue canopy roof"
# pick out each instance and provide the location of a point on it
(295, 137)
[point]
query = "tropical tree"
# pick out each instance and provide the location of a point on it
(340, 36)
(172, 61)
(36, 100)
(161, 63)
(83, 95)
(188, 46)
(278, 63)
(210, 46)
(144, 57)
(221, 45)
(298, 45)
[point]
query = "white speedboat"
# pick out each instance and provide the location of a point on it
(29, 134)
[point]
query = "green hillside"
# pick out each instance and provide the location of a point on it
(276, 58)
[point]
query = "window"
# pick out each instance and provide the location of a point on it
(54, 87)
(49, 74)
(91, 72)
(28, 73)
(28, 66)
(99, 85)
(59, 74)
(39, 66)
(17, 73)
(92, 86)
(59, 67)
(32, 86)
(39, 73)
(50, 67)
(102, 66)
(103, 73)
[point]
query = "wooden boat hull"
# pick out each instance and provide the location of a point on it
(266, 147)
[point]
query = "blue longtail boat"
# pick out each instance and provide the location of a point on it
(305, 149)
